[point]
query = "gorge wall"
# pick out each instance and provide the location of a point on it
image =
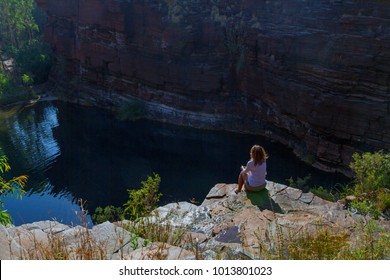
(312, 74)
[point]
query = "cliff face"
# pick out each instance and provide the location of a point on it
(313, 75)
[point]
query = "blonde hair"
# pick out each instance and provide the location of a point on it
(258, 154)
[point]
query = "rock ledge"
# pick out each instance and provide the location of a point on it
(225, 226)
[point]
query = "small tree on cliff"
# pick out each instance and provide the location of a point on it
(13, 186)
(144, 200)
(141, 203)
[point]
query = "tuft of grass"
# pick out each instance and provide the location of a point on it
(332, 194)
(155, 229)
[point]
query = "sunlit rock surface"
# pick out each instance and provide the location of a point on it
(225, 226)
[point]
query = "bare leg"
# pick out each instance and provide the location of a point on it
(241, 180)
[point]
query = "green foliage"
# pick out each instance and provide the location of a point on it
(134, 242)
(17, 24)
(383, 200)
(26, 79)
(21, 42)
(144, 200)
(372, 171)
(373, 243)
(141, 203)
(108, 213)
(365, 207)
(5, 83)
(5, 218)
(34, 59)
(372, 182)
(13, 186)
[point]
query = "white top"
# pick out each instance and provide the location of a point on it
(256, 174)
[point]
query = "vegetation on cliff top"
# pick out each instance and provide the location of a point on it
(141, 203)
(372, 183)
(24, 59)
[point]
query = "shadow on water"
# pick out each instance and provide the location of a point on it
(263, 201)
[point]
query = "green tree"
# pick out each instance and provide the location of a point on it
(17, 24)
(21, 40)
(13, 186)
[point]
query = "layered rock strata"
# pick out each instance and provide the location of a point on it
(313, 75)
(224, 226)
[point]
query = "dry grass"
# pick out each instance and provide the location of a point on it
(368, 241)
(81, 246)
(155, 229)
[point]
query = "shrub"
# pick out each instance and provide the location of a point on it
(108, 213)
(372, 181)
(141, 203)
(365, 207)
(36, 60)
(144, 200)
(372, 171)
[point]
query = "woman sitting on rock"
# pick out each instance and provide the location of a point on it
(252, 177)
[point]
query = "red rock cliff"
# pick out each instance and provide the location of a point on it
(311, 74)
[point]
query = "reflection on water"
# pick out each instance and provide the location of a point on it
(31, 133)
(72, 152)
(27, 139)
(45, 205)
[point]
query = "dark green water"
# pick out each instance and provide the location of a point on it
(72, 152)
